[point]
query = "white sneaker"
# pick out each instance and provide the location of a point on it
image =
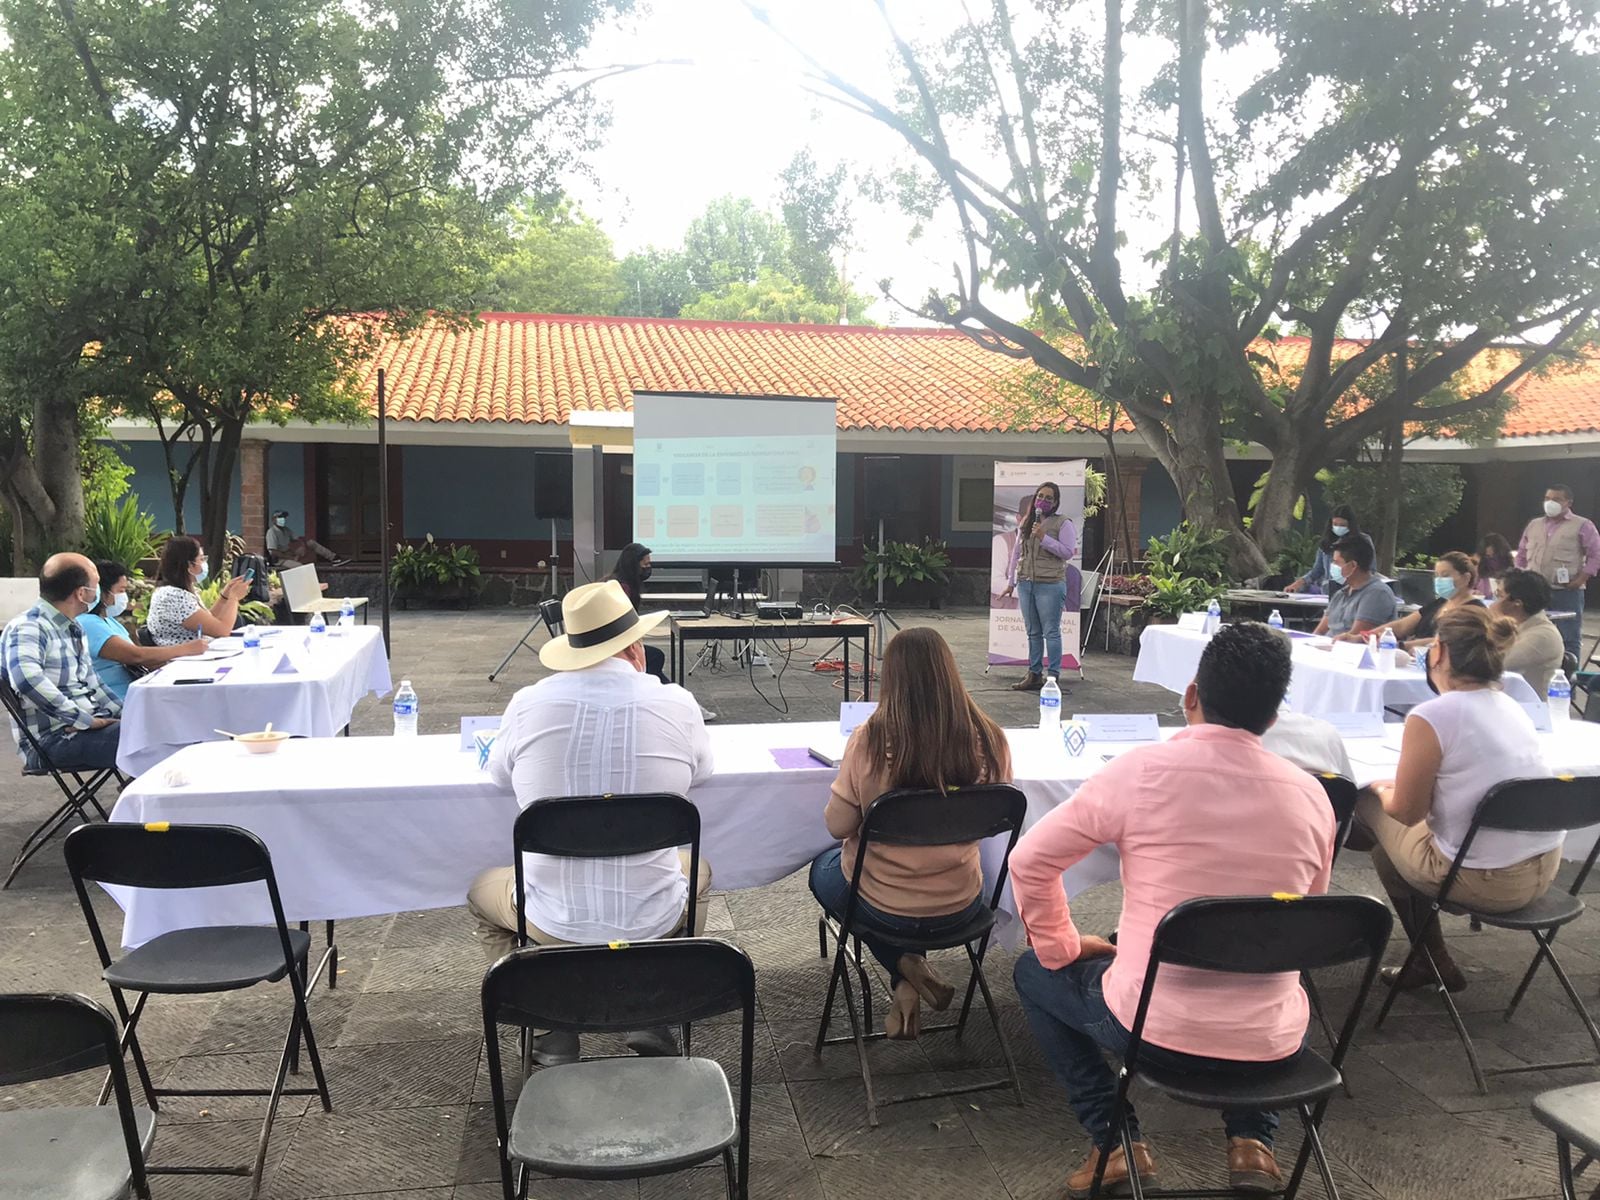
(706, 714)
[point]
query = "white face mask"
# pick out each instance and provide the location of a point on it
(1552, 508)
(282, 522)
(117, 604)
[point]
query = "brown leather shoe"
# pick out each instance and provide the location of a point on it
(1417, 976)
(1251, 1167)
(1028, 683)
(1115, 1180)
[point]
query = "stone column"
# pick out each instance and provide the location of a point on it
(253, 494)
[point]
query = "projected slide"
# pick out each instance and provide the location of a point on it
(734, 478)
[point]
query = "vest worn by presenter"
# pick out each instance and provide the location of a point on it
(1549, 551)
(1035, 564)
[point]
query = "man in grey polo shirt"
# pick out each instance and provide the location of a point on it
(1365, 601)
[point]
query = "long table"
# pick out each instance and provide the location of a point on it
(1169, 656)
(715, 629)
(368, 826)
(303, 685)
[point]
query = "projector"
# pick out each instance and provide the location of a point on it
(780, 612)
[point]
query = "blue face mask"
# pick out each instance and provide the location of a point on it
(1444, 587)
(1340, 530)
(117, 605)
(1336, 572)
(205, 569)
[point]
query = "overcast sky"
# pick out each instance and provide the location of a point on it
(729, 123)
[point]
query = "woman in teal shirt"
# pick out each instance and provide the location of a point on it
(113, 651)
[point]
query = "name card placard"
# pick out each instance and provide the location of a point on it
(1193, 622)
(470, 727)
(1356, 724)
(1120, 727)
(1352, 654)
(854, 713)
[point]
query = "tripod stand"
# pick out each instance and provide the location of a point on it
(880, 617)
(551, 586)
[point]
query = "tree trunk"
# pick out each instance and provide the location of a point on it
(1290, 475)
(1388, 539)
(58, 459)
(1189, 445)
(217, 489)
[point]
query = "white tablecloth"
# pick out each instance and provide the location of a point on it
(317, 700)
(1170, 656)
(364, 826)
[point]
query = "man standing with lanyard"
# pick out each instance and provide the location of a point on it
(1565, 549)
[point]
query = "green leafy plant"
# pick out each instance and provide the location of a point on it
(1174, 595)
(1417, 562)
(1297, 552)
(903, 562)
(434, 567)
(1189, 553)
(1094, 491)
(253, 611)
(117, 531)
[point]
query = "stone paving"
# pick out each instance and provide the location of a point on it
(402, 1043)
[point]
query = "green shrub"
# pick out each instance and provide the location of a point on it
(1190, 553)
(1173, 595)
(117, 531)
(434, 566)
(903, 562)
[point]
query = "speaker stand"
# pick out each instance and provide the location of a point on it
(551, 586)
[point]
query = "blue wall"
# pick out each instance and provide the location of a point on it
(286, 482)
(149, 480)
(465, 492)
(1160, 509)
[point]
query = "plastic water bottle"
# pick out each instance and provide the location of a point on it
(1386, 648)
(1275, 620)
(252, 643)
(318, 628)
(1560, 699)
(1050, 708)
(405, 710)
(347, 613)
(1213, 616)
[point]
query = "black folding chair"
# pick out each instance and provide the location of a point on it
(83, 1153)
(1573, 1115)
(621, 1118)
(1342, 794)
(1256, 935)
(80, 795)
(217, 958)
(608, 826)
(916, 817)
(1523, 806)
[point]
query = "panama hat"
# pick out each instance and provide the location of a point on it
(599, 621)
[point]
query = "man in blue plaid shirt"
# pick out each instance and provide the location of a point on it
(47, 661)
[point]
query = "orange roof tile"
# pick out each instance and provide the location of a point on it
(537, 369)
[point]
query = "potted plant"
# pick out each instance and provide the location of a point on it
(435, 573)
(913, 572)
(1186, 572)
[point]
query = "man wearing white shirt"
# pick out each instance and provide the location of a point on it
(599, 725)
(1310, 743)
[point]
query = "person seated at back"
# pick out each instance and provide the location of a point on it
(1455, 582)
(1536, 653)
(1363, 601)
(632, 570)
(47, 662)
(1310, 743)
(1453, 750)
(116, 656)
(176, 615)
(285, 550)
(598, 726)
(927, 732)
(1211, 812)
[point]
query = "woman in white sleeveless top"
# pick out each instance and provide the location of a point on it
(1454, 749)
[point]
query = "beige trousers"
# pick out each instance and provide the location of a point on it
(493, 900)
(1406, 856)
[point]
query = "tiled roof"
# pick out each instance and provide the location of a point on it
(525, 368)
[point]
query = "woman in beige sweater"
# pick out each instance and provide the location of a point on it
(927, 733)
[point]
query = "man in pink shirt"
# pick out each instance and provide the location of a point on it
(1211, 812)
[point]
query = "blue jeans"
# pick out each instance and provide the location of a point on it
(832, 890)
(1073, 1027)
(1570, 600)
(86, 750)
(1041, 605)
